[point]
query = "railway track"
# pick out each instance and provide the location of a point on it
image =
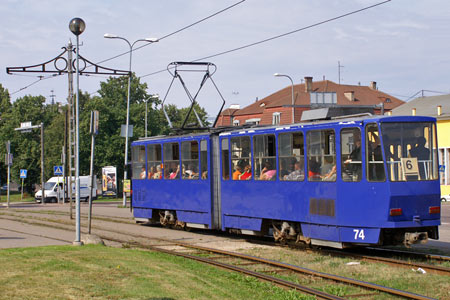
(249, 265)
(378, 255)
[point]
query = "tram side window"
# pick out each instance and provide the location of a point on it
(321, 153)
(171, 161)
(351, 161)
(241, 158)
(138, 162)
(225, 160)
(204, 159)
(264, 151)
(291, 156)
(374, 156)
(189, 160)
(154, 162)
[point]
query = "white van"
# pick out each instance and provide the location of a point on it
(54, 191)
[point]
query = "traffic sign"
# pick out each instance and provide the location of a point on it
(57, 170)
(23, 173)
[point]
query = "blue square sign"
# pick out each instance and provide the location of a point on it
(57, 170)
(23, 173)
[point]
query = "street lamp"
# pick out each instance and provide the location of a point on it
(292, 82)
(77, 27)
(149, 40)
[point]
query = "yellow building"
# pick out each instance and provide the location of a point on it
(439, 108)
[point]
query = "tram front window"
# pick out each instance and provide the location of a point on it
(410, 150)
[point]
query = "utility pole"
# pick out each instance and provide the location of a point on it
(71, 128)
(339, 71)
(93, 132)
(52, 95)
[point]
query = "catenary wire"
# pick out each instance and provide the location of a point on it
(279, 36)
(34, 82)
(124, 53)
(173, 33)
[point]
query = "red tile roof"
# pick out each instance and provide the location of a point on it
(363, 95)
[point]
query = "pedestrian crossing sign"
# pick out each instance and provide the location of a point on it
(23, 173)
(58, 170)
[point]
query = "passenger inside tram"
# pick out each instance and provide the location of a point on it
(247, 174)
(268, 172)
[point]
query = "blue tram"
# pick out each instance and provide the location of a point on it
(369, 180)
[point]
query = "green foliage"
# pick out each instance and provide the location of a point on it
(109, 145)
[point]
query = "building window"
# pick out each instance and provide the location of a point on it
(253, 121)
(276, 117)
(444, 166)
(323, 98)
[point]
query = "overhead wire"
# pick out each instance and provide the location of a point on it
(34, 82)
(137, 48)
(280, 35)
(173, 33)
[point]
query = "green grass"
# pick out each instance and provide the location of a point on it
(15, 197)
(98, 272)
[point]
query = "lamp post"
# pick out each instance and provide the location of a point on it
(292, 82)
(131, 45)
(77, 27)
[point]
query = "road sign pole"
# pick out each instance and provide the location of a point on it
(21, 194)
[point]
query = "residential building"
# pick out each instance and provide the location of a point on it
(277, 108)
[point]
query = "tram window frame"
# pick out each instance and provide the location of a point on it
(241, 157)
(291, 151)
(373, 173)
(138, 162)
(265, 157)
(190, 160)
(321, 147)
(225, 153)
(154, 160)
(203, 159)
(172, 151)
(351, 168)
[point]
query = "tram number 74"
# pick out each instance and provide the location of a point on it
(359, 233)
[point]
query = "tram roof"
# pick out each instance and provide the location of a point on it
(345, 120)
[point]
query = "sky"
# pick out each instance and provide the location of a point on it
(402, 45)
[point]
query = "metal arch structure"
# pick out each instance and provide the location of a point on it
(59, 65)
(174, 69)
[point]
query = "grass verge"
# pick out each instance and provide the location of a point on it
(98, 272)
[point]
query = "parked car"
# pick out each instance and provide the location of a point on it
(445, 198)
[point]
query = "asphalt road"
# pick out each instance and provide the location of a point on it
(17, 234)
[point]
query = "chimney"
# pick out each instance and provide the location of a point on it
(308, 84)
(414, 111)
(350, 96)
(439, 110)
(373, 85)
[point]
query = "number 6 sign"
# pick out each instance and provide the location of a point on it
(410, 166)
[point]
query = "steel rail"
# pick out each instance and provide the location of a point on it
(298, 269)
